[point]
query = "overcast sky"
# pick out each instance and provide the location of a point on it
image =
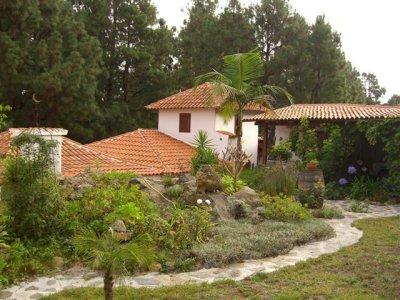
(370, 31)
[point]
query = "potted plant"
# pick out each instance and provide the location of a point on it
(312, 165)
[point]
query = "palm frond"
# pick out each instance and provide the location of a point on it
(201, 140)
(277, 91)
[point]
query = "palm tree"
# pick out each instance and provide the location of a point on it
(238, 84)
(107, 254)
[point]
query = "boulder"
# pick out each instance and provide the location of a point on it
(208, 180)
(219, 206)
(249, 196)
(120, 231)
(118, 226)
(238, 208)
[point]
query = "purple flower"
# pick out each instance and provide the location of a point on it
(343, 181)
(351, 170)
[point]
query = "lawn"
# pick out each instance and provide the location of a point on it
(367, 270)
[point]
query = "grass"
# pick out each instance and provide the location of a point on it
(328, 212)
(367, 270)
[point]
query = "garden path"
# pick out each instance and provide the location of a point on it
(346, 235)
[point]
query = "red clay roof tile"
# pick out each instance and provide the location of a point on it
(200, 97)
(333, 111)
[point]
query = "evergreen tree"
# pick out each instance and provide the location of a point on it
(137, 54)
(394, 100)
(372, 88)
(47, 56)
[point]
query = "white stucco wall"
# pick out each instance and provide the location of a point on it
(224, 125)
(282, 133)
(250, 138)
(201, 119)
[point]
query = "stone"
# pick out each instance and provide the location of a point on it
(51, 282)
(238, 208)
(36, 296)
(208, 180)
(5, 294)
(220, 210)
(261, 211)
(249, 196)
(119, 226)
(147, 281)
(31, 288)
(138, 181)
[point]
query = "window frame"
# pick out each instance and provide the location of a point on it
(185, 122)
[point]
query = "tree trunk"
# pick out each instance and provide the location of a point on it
(108, 285)
(239, 131)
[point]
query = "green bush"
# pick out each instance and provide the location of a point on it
(228, 184)
(362, 188)
(254, 178)
(334, 191)
(284, 208)
(235, 241)
(168, 180)
(205, 155)
(100, 205)
(281, 152)
(312, 198)
(328, 212)
(114, 178)
(31, 191)
(358, 207)
(174, 191)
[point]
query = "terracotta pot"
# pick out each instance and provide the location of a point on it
(312, 166)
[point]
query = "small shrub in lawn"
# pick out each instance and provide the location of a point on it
(228, 184)
(312, 198)
(236, 241)
(358, 207)
(168, 180)
(284, 208)
(174, 191)
(328, 212)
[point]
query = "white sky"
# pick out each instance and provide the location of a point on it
(370, 31)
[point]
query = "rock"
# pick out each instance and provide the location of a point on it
(220, 208)
(139, 181)
(120, 231)
(51, 282)
(5, 294)
(119, 226)
(186, 177)
(261, 211)
(249, 196)
(208, 180)
(32, 288)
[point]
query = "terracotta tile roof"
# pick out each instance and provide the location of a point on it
(199, 97)
(334, 111)
(76, 158)
(157, 151)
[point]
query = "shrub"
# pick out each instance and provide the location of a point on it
(31, 191)
(114, 178)
(228, 184)
(174, 191)
(254, 178)
(284, 208)
(307, 141)
(279, 180)
(205, 155)
(358, 207)
(328, 212)
(236, 241)
(168, 180)
(312, 198)
(362, 188)
(281, 151)
(334, 191)
(239, 209)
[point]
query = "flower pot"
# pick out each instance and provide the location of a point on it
(312, 166)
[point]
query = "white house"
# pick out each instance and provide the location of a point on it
(182, 116)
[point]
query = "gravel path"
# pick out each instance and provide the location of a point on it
(346, 235)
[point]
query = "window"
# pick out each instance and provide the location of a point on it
(184, 122)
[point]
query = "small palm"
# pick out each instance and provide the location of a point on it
(106, 253)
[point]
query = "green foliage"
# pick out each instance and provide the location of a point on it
(254, 177)
(312, 198)
(282, 151)
(174, 191)
(358, 207)
(228, 184)
(4, 109)
(113, 178)
(386, 132)
(307, 141)
(328, 212)
(236, 241)
(168, 180)
(100, 205)
(205, 155)
(284, 208)
(334, 191)
(31, 191)
(275, 180)
(363, 188)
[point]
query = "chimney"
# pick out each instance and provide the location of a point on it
(50, 134)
